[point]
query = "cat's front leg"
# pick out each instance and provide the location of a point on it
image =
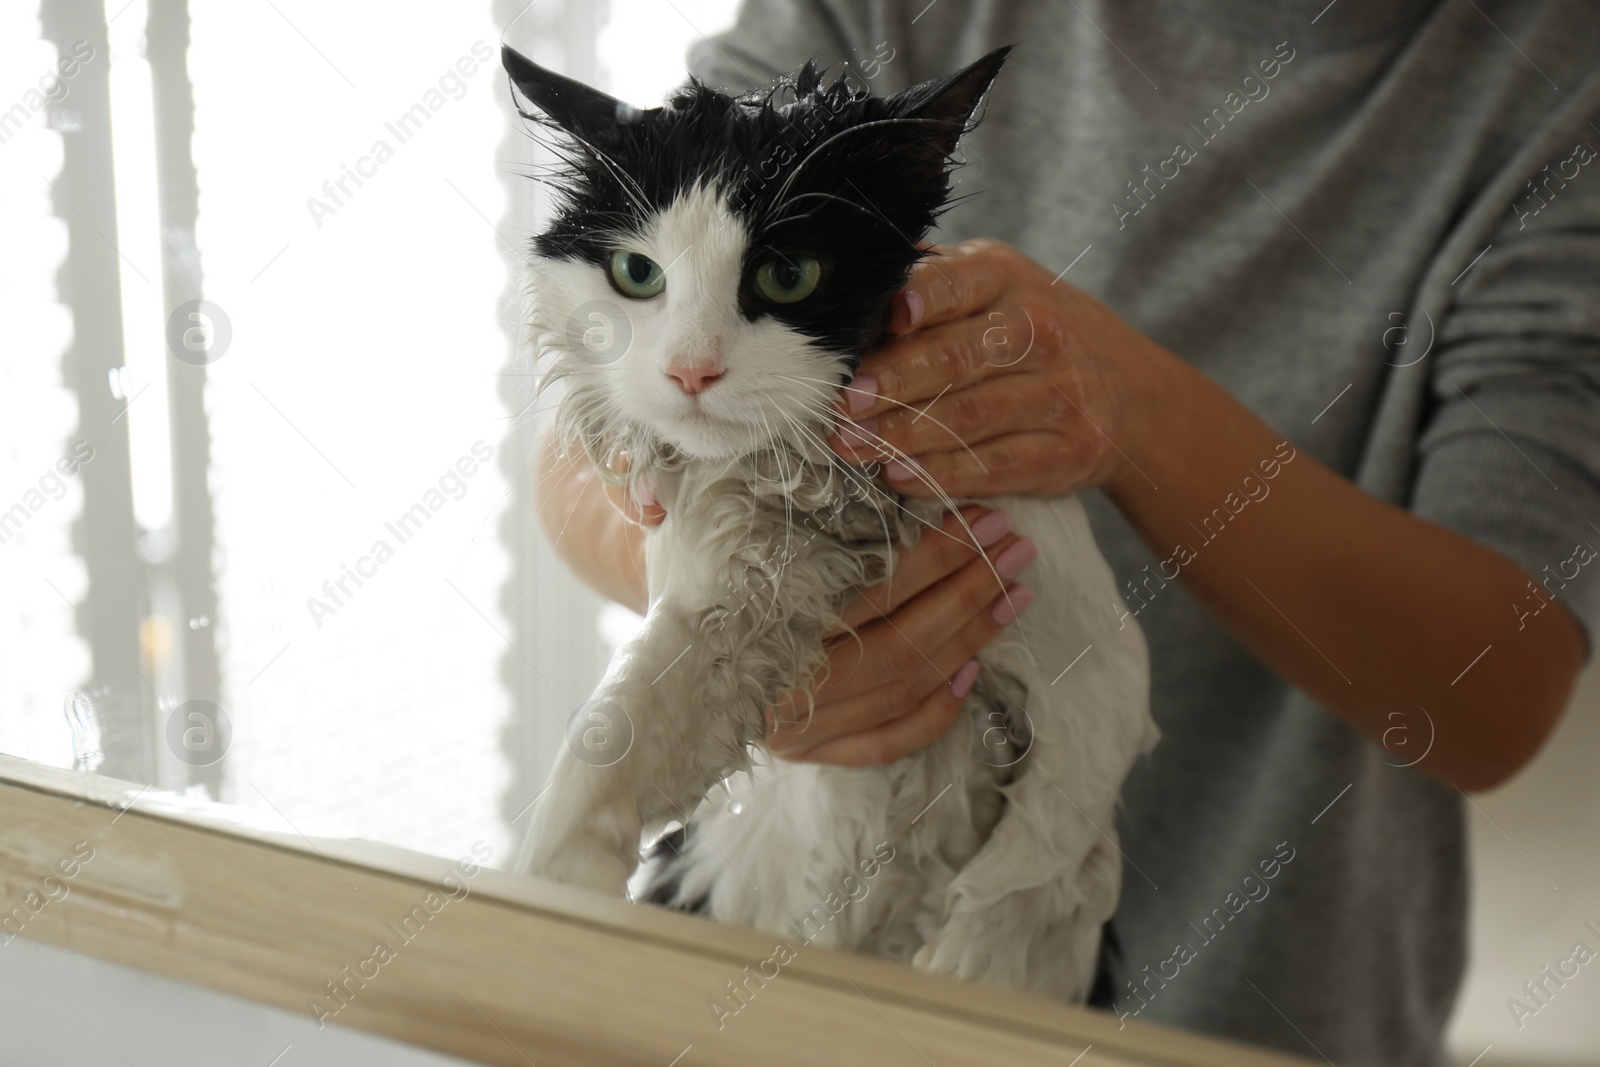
(646, 747)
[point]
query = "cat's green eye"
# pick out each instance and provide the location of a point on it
(788, 279)
(637, 276)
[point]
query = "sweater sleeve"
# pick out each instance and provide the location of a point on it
(1510, 454)
(772, 37)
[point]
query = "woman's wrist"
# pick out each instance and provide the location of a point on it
(1151, 416)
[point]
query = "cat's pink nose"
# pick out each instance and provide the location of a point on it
(693, 380)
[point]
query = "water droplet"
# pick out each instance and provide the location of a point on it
(735, 807)
(84, 722)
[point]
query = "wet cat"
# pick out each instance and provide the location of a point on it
(713, 273)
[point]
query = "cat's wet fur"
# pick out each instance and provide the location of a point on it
(998, 870)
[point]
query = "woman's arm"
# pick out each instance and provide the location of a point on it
(1360, 604)
(587, 524)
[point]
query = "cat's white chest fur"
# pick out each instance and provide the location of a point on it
(988, 862)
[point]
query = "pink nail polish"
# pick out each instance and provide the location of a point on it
(861, 392)
(1007, 606)
(897, 471)
(1015, 559)
(991, 527)
(915, 307)
(866, 426)
(964, 679)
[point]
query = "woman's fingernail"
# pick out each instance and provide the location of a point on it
(915, 307)
(643, 495)
(853, 432)
(861, 392)
(898, 471)
(993, 526)
(962, 682)
(1008, 605)
(1013, 560)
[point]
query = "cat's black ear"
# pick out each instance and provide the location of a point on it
(577, 108)
(949, 102)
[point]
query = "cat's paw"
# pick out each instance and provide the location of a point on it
(584, 865)
(1041, 939)
(988, 944)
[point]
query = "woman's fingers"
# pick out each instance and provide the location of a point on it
(940, 552)
(905, 714)
(638, 505)
(1018, 464)
(795, 736)
(898, 645)
(882, 745)
(910, 371)
(900, 662)
(962, 415)
(953, 283)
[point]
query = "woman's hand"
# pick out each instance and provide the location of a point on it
(997, 380)
(1000, 380)
(638, 506)
(901, 686)
(1358, 603)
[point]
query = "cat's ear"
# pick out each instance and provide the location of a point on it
(585, 112)
(948, 103)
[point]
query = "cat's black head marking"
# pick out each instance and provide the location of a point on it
(832, 173)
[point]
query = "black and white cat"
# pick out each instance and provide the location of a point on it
(714, 272)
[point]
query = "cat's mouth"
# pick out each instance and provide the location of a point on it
(696, 412)
(707, 426)
(701, 432)
(699, 416)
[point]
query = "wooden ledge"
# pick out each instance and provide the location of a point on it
(489, 966)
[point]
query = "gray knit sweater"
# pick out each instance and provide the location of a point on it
(1328, 209)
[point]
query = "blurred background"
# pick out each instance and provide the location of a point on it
(267, 420)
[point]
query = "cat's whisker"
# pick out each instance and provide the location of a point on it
(529, 410)
(825, 670)
(835, 462)
(563, 465)
(788, 181)
(921, 412)
(940, 493)
(888, 495)
(942, 496)
(636, 194)
(788, 500)
(821, 196)
(629, 186)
